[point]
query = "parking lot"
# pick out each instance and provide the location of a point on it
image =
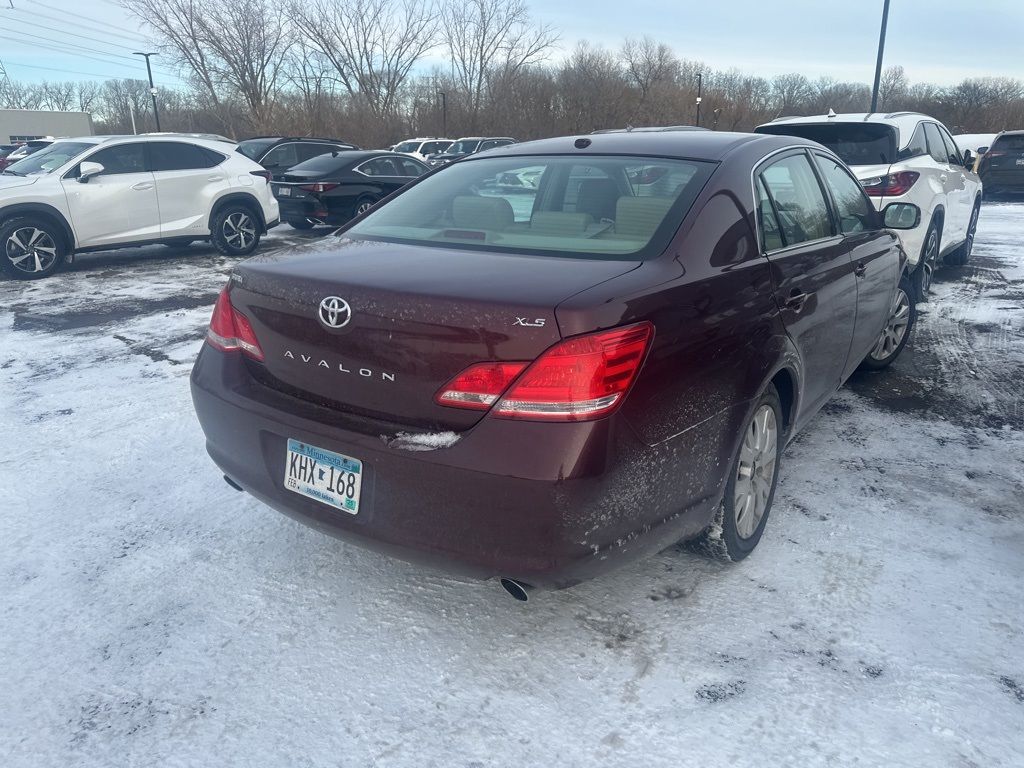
(153, 616)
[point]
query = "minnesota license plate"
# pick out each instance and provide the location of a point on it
(331, 478)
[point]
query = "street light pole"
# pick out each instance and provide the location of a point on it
(152, 90)
(878, 64)
(699, 78)
(444, 113)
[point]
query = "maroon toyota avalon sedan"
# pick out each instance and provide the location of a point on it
(549, 360)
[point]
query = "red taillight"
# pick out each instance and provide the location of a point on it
(891, 185)
(230, 330)
(318, 187)
(579, 379)
(265, 175)
(994, 153)
(480, 385)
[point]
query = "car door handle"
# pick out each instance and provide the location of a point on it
(860, 270)
(215, 178)
(143, 185)
(796, 300)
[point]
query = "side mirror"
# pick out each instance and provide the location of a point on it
(87, 170)
(901, 216)
(969, 159)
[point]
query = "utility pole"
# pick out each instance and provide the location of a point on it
(152, 90)
(699, 78)
(878, 64)
(444, 113)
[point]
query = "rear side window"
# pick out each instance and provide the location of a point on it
(936, 147)
(854, 143)
(178, 156)
(797, 201)
(917, 147)
(856, 214)
(542, 205)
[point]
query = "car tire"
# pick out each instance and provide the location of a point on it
(179, 242)
(363, 204)
(739, 520)
(300, 223)
(898, 327)
(925, 271)
(236, 230)
(962, 255)
(31, 248)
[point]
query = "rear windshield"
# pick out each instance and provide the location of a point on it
(254, 148)
(594, 206)
(408, 146)
(464, 147)
(1009, 143)
(855, 143)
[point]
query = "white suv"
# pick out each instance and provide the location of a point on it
(420, 148)
(101, 192)
(905, 157)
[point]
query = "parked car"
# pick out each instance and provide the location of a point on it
(905, 157)
(101, 192)
(511, 386)
(331, 189)
(422, 148)
(278, 154)
(1002, 167)
(468, 146)
(5, 150)
(975, 143)
(24, 150)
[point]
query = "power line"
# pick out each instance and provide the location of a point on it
(133, 36)
(73, 72)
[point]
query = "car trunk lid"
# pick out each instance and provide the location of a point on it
(409, 320)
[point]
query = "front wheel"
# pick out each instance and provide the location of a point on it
(236, 232)
(740, 519)
(32, 248)
(898, 326)
(961, 255)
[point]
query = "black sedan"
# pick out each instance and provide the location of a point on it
(336, 187)
(547, 362)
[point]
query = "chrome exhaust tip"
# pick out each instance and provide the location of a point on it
(517, 589)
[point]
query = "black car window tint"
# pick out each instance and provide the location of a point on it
(768, 221)
(918, 146)
(1014, 143)
(126, 158)
(178, 156)
(309, 151)
(409, 168)
(935, 146)
(852, 206)
(799, 201)
(952, 152)
(283, 156)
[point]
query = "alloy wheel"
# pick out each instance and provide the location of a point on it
(31, 250)
(239, 230)
(896, 327)
(928, 260)
(755, 472)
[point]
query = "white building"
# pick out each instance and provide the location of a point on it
(18, 125)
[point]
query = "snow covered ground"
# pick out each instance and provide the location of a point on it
(150, 615)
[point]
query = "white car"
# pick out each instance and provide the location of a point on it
(100, 192)
(420, 148)
(905, 157)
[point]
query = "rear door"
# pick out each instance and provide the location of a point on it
(188, 180)
(875, 265)
(954, 184)
(812, 273)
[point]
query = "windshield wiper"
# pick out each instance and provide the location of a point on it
(13, 173)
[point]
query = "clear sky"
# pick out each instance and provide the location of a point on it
(941, 41)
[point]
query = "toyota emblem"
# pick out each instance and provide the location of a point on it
(335, 312)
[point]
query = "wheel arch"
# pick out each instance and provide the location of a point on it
(239, 198)
(47, 212)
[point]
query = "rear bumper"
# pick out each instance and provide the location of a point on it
(550, 505)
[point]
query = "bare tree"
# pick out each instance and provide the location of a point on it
(592, 89)
(230, 48)
(791, 92)
(59, 96)
(372, 45)
(649, 67)
(489, 39)
(892, 88)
